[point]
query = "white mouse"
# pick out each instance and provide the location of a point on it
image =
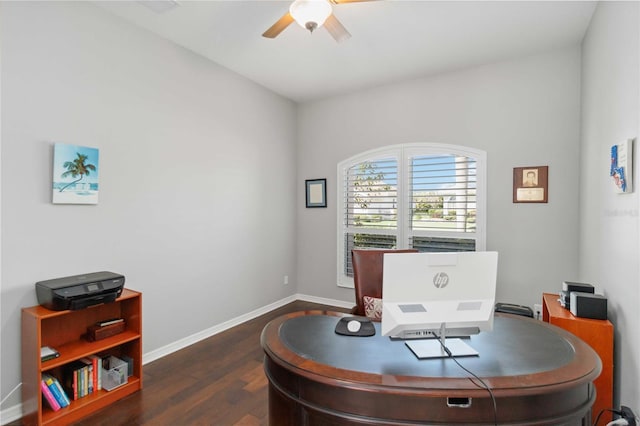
(353, 326)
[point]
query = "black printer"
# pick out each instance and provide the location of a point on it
(79, 291)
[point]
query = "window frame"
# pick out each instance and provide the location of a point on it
(403, 154)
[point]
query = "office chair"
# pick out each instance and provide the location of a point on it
(367, 275)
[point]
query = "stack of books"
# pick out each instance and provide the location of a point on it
(53, 393)
(79, 379)
(83, 377)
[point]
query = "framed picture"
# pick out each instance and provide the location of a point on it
(622, 166)
(75, 174)
(316, 191)
(530, 184)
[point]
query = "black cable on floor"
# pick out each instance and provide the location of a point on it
(602, 412)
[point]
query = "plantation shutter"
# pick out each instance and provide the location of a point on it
(430, 197)
(442, 203)
(371, 211)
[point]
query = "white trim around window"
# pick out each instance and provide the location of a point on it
(423, 195)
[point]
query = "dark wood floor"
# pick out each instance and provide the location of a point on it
(218, 381)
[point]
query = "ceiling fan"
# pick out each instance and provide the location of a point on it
(312, 14)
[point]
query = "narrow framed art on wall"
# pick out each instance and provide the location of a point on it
(316, 193)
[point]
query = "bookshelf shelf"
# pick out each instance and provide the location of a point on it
(75, 350)
(87, 405)
(64, 331)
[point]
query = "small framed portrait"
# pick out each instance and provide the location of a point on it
(530, 184)
(316, 193)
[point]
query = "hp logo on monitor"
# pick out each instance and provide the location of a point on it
(440, 280)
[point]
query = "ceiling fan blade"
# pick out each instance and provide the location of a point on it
(279, 26)
(336, 29)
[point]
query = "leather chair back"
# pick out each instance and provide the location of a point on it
(367, 274)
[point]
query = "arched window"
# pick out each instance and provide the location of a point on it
(431, 197)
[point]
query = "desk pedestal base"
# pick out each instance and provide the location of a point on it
(296, 401)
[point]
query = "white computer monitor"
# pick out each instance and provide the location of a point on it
(438, 294)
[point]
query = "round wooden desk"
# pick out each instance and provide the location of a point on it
(539, 375)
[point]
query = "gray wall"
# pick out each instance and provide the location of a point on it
(523, 112)
(609, 228)
(197, 174)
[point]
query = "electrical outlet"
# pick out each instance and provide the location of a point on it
(627, 414)
(537, 311)
(286, 279)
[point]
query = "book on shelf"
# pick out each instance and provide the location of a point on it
(47, 353)
(82, 381)
(97, 371)
(87, 376)
(58, 385)
(109, 322)
(57, 391)
(129, 362)
(73, 379)
(48, 396)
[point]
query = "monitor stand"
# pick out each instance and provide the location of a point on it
(435, 348)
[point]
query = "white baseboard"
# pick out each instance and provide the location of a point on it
(11, 414)
(15, 413)
(324, 301)
(194, 338)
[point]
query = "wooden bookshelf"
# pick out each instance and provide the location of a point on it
(596, 333)
(64, 331)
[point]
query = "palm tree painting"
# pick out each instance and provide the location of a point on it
(75, 174)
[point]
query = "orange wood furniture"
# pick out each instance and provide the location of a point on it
(596, 333)
(63, 331)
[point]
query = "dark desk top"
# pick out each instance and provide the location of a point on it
(514, 347)
(518, 353)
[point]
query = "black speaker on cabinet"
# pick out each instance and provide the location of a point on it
(588, 305)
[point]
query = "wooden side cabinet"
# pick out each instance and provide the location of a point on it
(596, 333)
(64, 331)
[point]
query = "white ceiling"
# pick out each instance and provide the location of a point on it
(391, 40)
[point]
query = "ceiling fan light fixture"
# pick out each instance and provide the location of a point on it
(310, 14)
